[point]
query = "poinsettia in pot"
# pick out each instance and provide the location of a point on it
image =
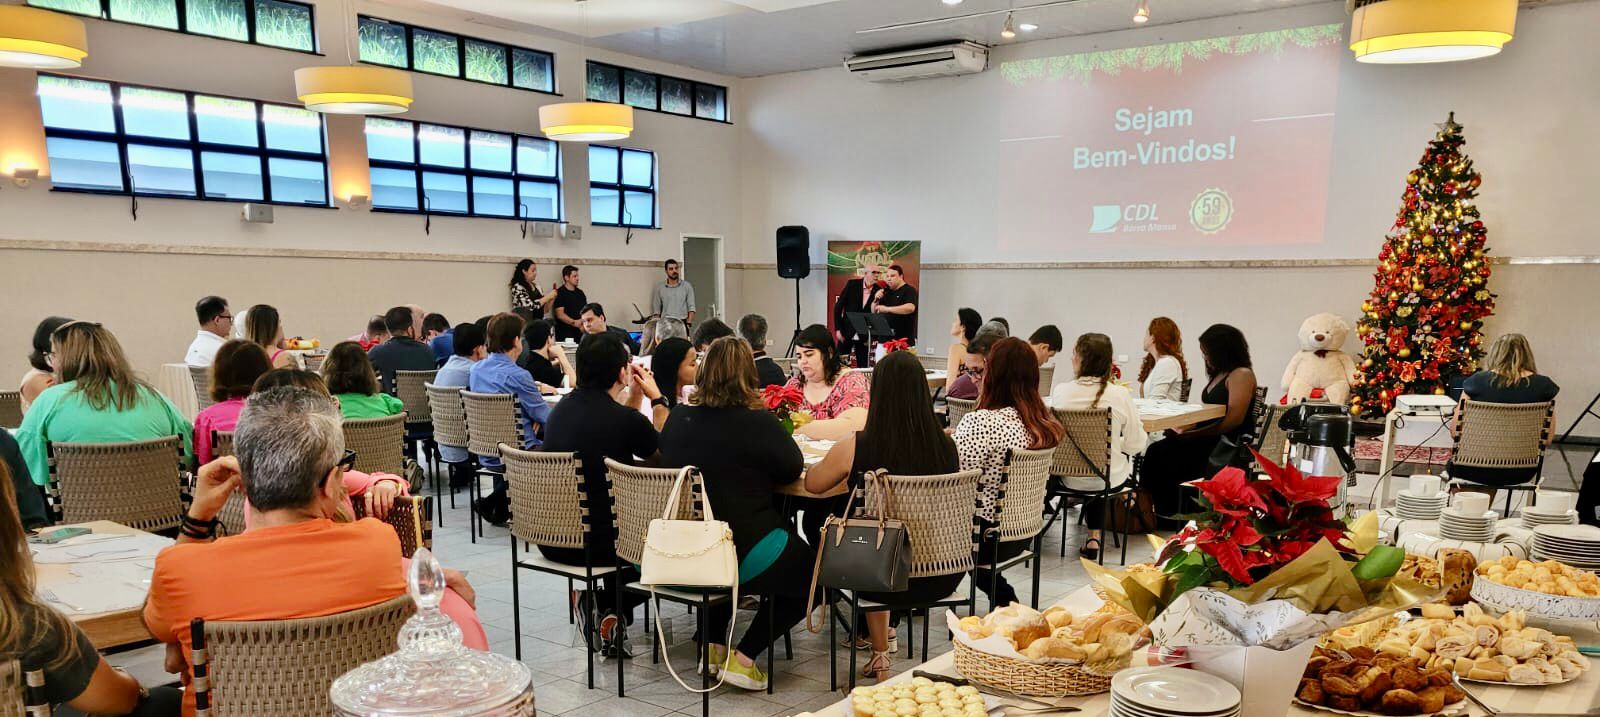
(784, 402)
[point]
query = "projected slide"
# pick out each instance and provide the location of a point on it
(1223, 142)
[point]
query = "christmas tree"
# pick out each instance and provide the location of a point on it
(1423, 324)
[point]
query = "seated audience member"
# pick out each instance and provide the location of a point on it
(962, 331)
(1046, 342)
(593, 319)
(468, 347)
(753, 329)
(707, 331)
(350, 378)
(41, 375)
(1509, 375)
(1163, 371)
(726, 411)
(543, 358)
(262, 325)
(835, 396)
(289, 460)
(43, 639)
(1001, 320)
(99, 400)
(437, 332)
(499, 373)
(402, 352)
(1010, 414)
(237, 367)
(375, 334)
(903, 437)
(591, 423)
(28, 497)
(673, 366)
(1183, 455)
(1092, 388)
(966, 385)
(215, 326)
(658, 330)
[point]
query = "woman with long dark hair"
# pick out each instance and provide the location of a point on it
(836, 397)
(674, 364)
(263, 326)
(40, 375)
(903, 437)
(1093, 388)
(354, 383)
(1163, 371)
(524, 286)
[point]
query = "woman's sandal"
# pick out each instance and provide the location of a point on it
(1088, 552)
(878, 667)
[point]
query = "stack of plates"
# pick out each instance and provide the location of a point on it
(1410, 506)
(1172, 692)
(1455, 525)
(1533, 517)
(1575, 545)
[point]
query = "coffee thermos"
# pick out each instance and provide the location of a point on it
(1321, 441)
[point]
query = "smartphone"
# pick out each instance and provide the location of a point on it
(51, 537)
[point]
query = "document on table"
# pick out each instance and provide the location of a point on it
(1152, 408)
(101, 547)
(97, 595)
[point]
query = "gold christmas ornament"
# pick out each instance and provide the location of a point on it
(1438, 391)
(1427, 240)
(1403, 353)
(1466, 325)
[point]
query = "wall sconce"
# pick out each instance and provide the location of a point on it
(24, 176)
(357, 201)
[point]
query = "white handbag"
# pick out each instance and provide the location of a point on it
(689, 553)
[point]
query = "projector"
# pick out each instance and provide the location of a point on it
(1425, 405)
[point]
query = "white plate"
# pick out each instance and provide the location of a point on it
(1449, 709)
(1129, 709)
(1577, 533)
(1176, 691)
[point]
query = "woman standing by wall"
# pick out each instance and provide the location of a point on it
(525, 292)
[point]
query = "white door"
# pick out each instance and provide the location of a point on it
(702, 267)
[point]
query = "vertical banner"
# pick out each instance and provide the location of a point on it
(855, 264)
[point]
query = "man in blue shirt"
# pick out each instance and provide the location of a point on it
(499, 373)
(469, 350)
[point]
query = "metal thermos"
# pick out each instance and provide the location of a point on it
(1321, 439)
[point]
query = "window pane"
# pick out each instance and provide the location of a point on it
(155, 113)
(161, 170)
(536, 157)
(603, 207)
(491, 151)
(603, 164)
(443, 146)
(383, 43)
(394, 188)
(218, 18)
(638, 168)
(391, 140)
(284, 24)
(605, 83)
(231, 176)
(638, 209)
(434, 52)
(540, 200)
(639, 89)
(677, 96)
(531, 70)
(492, 196)
(76, 104)
(486, 61)
(444, 192)
(81, 7)
(709, 102)
(298, 181)
(160, 13)
(292, 128)
(226, 121)
(78, 164)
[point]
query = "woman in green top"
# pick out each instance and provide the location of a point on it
(97, 399)
(354, 383)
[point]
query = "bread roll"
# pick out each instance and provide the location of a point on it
(1438, 611)
(1058, 617)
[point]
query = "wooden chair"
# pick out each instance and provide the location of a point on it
(411, 388)
(1080, 469)
(379, 443)
(411, 516)
(492, 419)
(10, 409)
(449, 418)
(201, 376)
(138, 484)
(1501, 437)
(956, 408)
(283, 668)
(232, 514)
(937, 513)
(22, 692)
(1047, 376)
(1020, 508)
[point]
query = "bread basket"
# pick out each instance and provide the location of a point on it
(1035, 679)
(1499, 598)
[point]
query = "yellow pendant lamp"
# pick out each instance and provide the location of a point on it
(586, 121)
(1418, 31)
(353, 89)
(41, 39)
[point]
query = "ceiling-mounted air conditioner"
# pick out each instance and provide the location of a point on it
(947, 60)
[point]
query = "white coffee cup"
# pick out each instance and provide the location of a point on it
(1471, 503)
(1424, 486)
(1555, 502)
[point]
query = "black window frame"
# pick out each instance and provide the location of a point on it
(694, 95)
(468, 173)
(461, 55)
(183, 23)
(196, 147)
(622, 188)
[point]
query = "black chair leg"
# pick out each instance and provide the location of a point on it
(572, 606)
(772, 643)
(516, 601)
(911, 633)
(474, 521)
(927, 615)
(622, 624)
(1038, 542)
(705, 656)
(833, 647)
(655, 645)
(855, 610)
(788, 649)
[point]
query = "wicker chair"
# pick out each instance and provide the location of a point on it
(201, 376)
(273, 668)
(1503, 437)
(313, 362)
(410, 388)
(1188, 386)
(411, 516)
(379, 443)
(10, 409)
(449, 417)
(937, 513)
(492, 419)
(1047, 376)
(1020, 508)
(138, 484)
(1273, 441)
(956, 408)
(231, 516)
(1085, 454)
(22, 692)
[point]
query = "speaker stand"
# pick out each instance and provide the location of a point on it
(794, 340)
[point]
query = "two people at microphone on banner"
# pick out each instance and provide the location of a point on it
(873, 309)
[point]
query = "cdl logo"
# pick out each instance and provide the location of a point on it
(1107, 217)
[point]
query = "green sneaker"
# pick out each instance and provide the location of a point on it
(719, 655)
(749, 678)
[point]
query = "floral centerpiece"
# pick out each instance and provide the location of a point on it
(784, 402)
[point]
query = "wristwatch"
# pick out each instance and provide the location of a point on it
(659, 401)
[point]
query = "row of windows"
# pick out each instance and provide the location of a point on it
(658, 93)
(279, 23)
(441, 53)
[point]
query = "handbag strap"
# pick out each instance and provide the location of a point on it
(1102, 475)
(727, 643)
(671, 511)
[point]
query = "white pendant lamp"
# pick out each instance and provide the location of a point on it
(1419, 31)
(586, 121)
(1141, 14)
(41, 39)
(353, 89)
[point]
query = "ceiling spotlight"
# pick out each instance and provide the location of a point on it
(951, 3)
(1027, 26)
(1142, 15)
(1009, 30)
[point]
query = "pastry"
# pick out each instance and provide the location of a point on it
(1020, 623)
(1438, 611)
(1550, 577)
(1057, 617)
(1455, 575)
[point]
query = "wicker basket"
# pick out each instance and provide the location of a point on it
(1033, 679)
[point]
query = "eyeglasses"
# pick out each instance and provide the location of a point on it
(348, 460)
(975, 371)
(229, 317)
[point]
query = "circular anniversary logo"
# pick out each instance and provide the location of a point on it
(1211, 211)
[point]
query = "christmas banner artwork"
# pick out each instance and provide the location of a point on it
(1205, 144)
(849, 260)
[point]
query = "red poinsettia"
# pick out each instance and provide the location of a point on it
(781, 399)
(890, 347)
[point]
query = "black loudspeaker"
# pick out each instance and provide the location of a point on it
(794, 252)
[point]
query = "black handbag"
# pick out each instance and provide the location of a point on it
(864, 553)
(1230, 453)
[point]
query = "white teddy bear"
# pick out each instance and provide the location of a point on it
(1321, 362)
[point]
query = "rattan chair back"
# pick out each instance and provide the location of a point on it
(10, 409)
(231, 517)
(411, 516)
(138, 483)
(283, 668)
(1089, 431)
(937, 512)
(379, 443)
(1047, 375)
(638, 495)
(1272, 441)
(313, 362)
(1021, 501)
(1502, 435)
(449, 415)
(956, 408)
(548, 503)
(201, 377)
(22, 691)
(492, 419)
(1183, 393)
(410, 388)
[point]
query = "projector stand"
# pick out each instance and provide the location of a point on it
(794, 339)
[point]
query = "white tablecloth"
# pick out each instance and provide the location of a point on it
(175, 383)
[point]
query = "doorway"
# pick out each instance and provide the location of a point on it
(702, 267)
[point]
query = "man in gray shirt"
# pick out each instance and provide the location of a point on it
(673, 299)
